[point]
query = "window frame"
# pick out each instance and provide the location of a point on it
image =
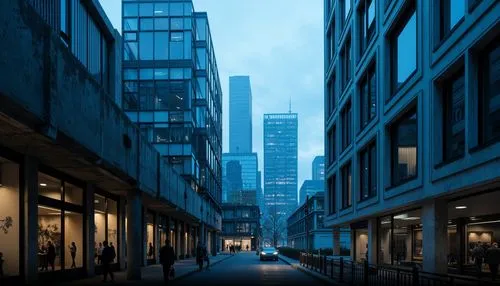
(445, 30)
(369, 75)
(367, 30)
(331, 95)
(447, 92)
(331, 141)
(332, 194)
(346, 187)
(346, 120)
(371, 162)
(347, 66)
(407, 14)
(393, 147)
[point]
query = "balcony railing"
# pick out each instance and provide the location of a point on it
(355, 273)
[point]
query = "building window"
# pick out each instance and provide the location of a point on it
(404, 137)
(330, 89)
(368, 172)
(452, 12)
(105, 223)
(404, 50)
(346, 126)
(489, 97)
(331, 145)
(331, 195)
(454, 116)
(367, 24)
(65, 20)
(346, 63)
(10, 222)
(346, 186)
(368, 97)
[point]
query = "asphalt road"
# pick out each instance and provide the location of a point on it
(246, 269)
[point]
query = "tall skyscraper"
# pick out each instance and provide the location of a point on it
(280, 161)
(240, 114)
(318, 168)
(239, 171)
(171, 88)
(309, 188)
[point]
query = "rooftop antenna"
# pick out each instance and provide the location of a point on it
(290, 105)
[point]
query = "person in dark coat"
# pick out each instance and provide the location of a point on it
(199, 256)
(478, 255)
(72, 251)
(167, 259)
(493, 260)
(51, 255)
(108, 255)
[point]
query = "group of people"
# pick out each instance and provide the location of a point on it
(233, 249)
(202, 256)
(100, 248)
(489, 254)
(47, 256)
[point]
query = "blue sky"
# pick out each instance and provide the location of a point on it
(279, 44)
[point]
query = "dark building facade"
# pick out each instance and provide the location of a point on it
(240, 114)
(171, 89)
(241, 226)
(318, 168)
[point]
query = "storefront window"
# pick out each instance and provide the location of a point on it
(9, 218)
(49, 238)
(361, 245)
(105, 224)
(385, 233)
(49, 187)
(73, 234)
(73, 194)
(162, 230)
(150, 245)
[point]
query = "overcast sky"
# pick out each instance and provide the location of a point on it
(279, 44)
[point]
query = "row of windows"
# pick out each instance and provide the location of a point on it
(159, 9)
(403, 131)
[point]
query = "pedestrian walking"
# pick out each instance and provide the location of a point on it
(167, 258)
(205, 257)
(247, 247)
(51, 254)
(478, 256)
(108, 255)
(199, 256)
(72, 251)
(100, 248)
(492, 258)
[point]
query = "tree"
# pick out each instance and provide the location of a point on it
(274, 225)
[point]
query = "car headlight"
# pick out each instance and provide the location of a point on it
(275, 253)
(263, 253)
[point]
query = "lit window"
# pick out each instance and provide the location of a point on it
(346, 186)
(368, 97)
(404, 137)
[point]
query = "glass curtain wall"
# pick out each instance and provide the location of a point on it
(105, 224)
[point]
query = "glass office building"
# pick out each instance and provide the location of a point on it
(239, 171)
(171, 87)
(240, 114)
(318, 168)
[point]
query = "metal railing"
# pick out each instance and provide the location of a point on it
(349, 272)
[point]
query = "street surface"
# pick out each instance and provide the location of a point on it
(245, 268)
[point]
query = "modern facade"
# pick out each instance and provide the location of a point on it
(72, 165)
(309, 188)
(241, 226)
(280, 173)
(171, 89)
(412, 129)
(318, 168)
(302, 224)
(239, 172)
(240, 114)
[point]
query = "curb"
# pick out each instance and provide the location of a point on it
(189, 273)
(308, 272)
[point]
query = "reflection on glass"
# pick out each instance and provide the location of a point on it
(405, 137)
(9, 217)
(146, 24)
(161, 24)
(457, 11)
(146, 46)
(347, 8)
(130, 24)
(146, 9)
(49, 187)
(73, 194)
(385, 247)
(73, 237)
(130, 9)
(406, 51)
(161, 9)
(49, 238)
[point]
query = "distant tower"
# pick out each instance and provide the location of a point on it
(240, 114)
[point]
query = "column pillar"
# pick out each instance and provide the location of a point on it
(336, 240)
(134, 237)
(182, 239)
(178, 251)
(29, 192)
(156, 240)
(122, 226)
(144, 246)
(461, 243)
(435, 236)
(372, 241)
(90, 229)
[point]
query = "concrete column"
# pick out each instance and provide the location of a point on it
(202, 236)
(461, 243)
(435, 236)
(90, 229)
(178, 251)
(122, 226)
(134, 237)
(336, 240)
(157, 242)
(29, 192)
(372, 241)
(144, 245)
(183, 238)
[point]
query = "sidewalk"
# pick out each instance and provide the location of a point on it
(153, 273)
(296, 265)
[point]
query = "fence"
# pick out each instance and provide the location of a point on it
(356, 273)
